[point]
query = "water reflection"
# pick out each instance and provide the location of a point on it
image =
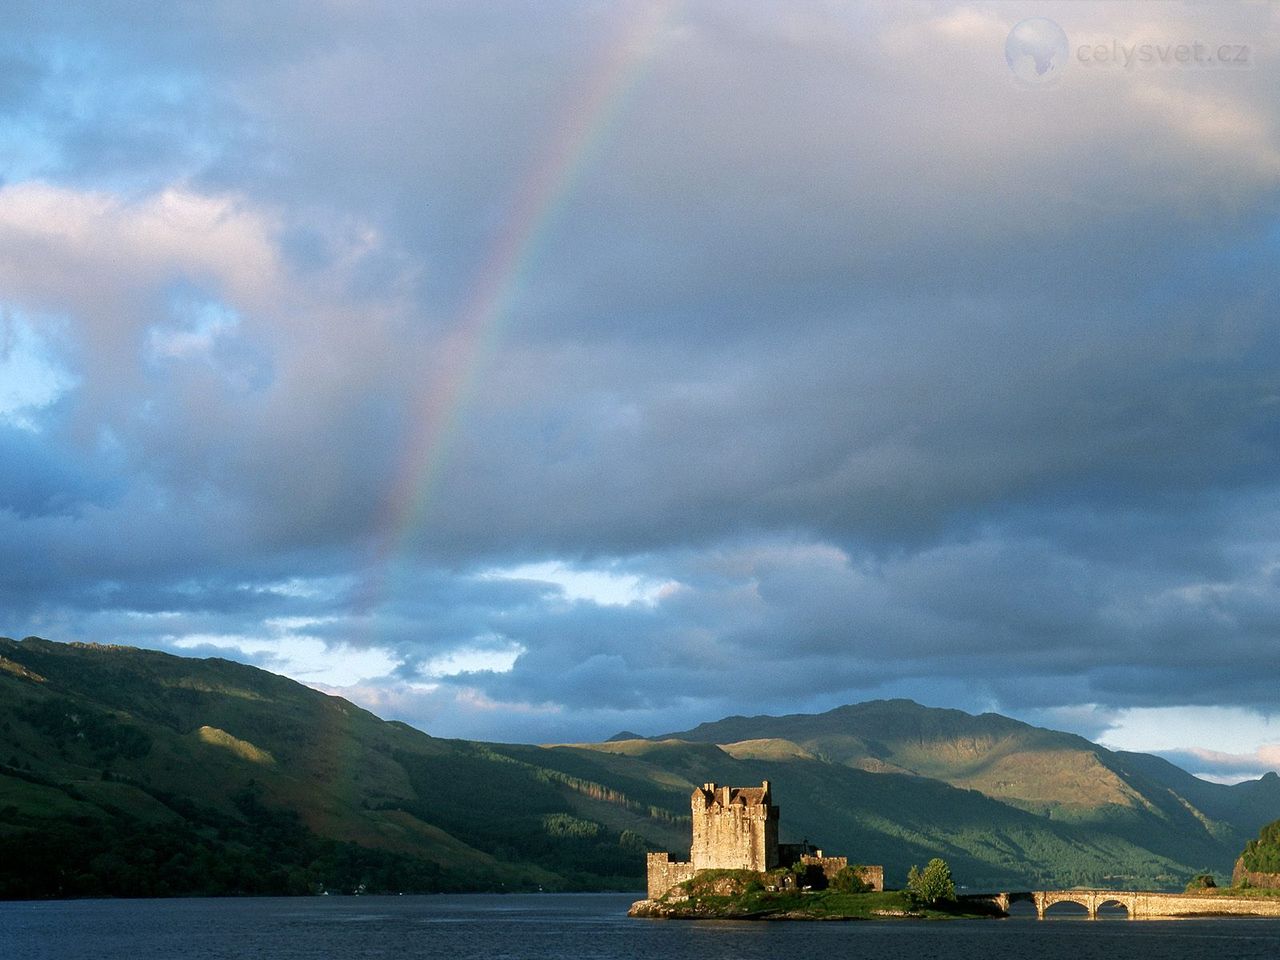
(1066, 910)
(1111, 910)
(581, 927)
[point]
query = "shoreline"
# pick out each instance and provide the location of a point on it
(816, 906)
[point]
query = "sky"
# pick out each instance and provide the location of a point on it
(535, 371)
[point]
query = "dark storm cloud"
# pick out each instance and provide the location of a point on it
(879, 373)
(38, 479)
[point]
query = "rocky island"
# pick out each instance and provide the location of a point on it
(738, 870)
(748, 895)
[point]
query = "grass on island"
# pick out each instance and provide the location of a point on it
(744, 894)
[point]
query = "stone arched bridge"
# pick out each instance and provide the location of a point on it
(1139, 904)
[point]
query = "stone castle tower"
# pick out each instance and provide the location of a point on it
(734, 828)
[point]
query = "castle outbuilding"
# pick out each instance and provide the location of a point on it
(736, 828)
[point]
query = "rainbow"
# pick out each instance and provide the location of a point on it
(475, 337)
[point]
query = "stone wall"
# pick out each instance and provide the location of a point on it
(1150, 905)
(817, 864)
(819, 871)
(665, 873)
(1194, 905)
(873, 875)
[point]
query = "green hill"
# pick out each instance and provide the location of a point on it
(131, 772)
(134, 772)
(1259, 863)
(1057, 776)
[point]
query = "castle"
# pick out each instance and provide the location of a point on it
(736, 828)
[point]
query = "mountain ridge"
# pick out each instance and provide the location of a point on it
(971, 750)
(223, 778)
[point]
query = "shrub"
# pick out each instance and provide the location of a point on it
(849, 880)
(1201, 881)
(932, 884)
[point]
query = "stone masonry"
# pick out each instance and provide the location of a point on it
(665, 873)
(816, 864)
(734, 828)
(1138, 904)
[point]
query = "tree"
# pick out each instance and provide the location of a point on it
(1203, 881)
(849, 880)
(931, 884)
(1263, 854)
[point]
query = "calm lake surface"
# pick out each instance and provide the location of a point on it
(588, 926)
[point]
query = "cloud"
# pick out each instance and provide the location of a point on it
(1189, 737)
(1228, 767)
(601, 587)
(815, 359)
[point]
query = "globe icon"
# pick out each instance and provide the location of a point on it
(1036, 51)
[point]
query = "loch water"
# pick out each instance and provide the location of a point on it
(577, 926)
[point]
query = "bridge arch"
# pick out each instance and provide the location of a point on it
(1065, 907)
(1019, 904)
(1138, 904)
(1111, 908)
(1134, 903)
(1091, 900)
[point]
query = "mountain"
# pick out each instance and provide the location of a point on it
(132, 772)
(1057, 775)
(1060, 777)
(126, 771)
